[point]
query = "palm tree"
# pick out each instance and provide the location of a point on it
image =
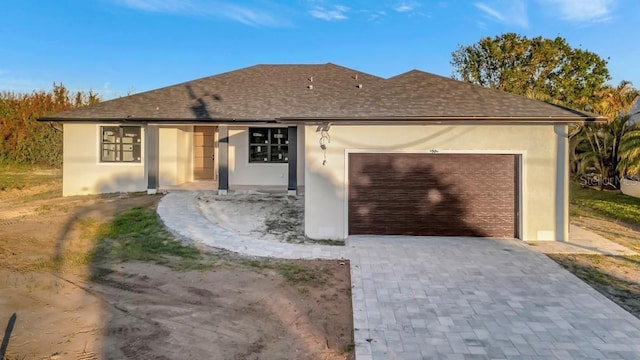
(604, 153)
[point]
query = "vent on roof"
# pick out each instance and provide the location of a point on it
(359, 86)
(310, 86)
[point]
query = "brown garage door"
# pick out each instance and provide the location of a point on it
(433, 194)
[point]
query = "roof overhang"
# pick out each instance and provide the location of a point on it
(462, 120)
(337, 120)
(156, 120)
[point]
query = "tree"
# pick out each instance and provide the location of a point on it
(604, 153)
(544, 69)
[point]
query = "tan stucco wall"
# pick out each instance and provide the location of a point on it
(630, 187)
(241, 172)
(325, 194)
(84, 174)
(185, 154)
(175, 155)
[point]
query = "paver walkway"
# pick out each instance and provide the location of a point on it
(450, 298)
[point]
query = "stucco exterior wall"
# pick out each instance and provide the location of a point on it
(185, 154)
(630, 187)
(241, 172)
(175, 155)
(538, 145)
(84, 174)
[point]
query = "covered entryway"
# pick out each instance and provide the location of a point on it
(433, 194)
(204, 153)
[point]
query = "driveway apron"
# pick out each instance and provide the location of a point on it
(470, 298)
(449, 298)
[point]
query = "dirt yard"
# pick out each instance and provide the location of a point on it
(617, 277)
(268, 216)
(71, 306)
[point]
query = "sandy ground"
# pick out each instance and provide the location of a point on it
(617, 277)
(259, 215)
(135, 310)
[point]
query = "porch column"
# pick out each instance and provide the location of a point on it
(293, 160)
(562, 183)
(152, 149)
(223, 159)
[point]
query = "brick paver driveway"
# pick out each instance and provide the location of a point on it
(466, 298)
(448, 298)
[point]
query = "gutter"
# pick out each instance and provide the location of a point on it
(367, 120)
(443, 120)
(155, 120)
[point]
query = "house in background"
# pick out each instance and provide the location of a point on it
(415, 154)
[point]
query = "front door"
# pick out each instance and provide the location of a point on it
(203, 152)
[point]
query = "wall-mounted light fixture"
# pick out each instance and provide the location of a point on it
(323, 129)
(325, 126)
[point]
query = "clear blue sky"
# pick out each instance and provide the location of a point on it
(115, 47)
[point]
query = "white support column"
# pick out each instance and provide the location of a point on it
(562, 183)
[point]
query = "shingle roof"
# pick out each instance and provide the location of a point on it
(328, 91)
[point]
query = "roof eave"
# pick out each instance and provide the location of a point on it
(153, 120)
(442, 119)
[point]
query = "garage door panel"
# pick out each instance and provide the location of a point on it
(433, 195)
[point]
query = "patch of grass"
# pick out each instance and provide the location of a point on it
(610, 204)
(68, 259)
(327, 242)
(297, 274)
(49, 208)
(138, 235)
(292, 272)
(603, 273)
(133, 235)
(52, 193)
(348, 348)
(256, 264)
(20, 178)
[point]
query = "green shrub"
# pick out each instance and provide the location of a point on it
(23, 140)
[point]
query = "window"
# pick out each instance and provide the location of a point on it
(268, 145)
(120, 144)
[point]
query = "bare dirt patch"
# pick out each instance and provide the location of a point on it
(263, 215)
(69, 306)
(616, 277)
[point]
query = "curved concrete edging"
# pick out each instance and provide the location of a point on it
(453, 298)
(179, 212)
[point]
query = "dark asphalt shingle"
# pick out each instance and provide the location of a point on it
(273, 92)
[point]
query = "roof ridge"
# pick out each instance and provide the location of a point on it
(267, 92)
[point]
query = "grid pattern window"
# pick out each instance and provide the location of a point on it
(120, 144)
(268, 145)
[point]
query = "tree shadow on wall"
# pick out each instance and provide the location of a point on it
(404, 196)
